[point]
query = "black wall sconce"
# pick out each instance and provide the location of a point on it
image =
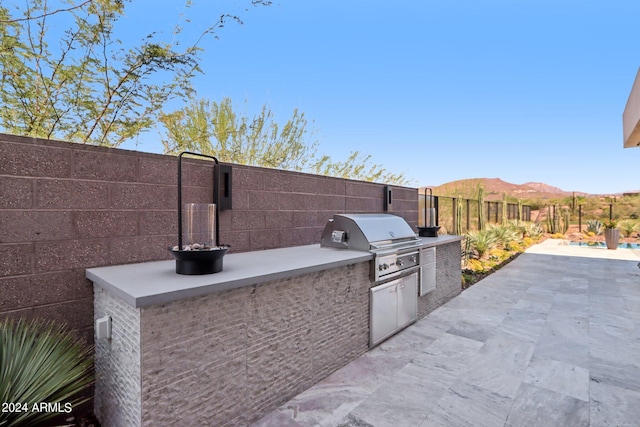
(388, 197)
(224, 187)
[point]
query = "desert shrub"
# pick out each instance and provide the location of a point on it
(534, 230)
(475, 265)
(466, 278)
(557, 236)
(41, 362)
(514, 246)
(498, 254)
(520, 227)
(527, 241)
(628, 227)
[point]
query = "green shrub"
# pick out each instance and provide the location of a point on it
(628, 227)
(514, 246)
(475, 265)
(41, 362)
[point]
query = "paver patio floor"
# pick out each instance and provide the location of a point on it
(551, 339)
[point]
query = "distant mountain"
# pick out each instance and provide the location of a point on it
(541, 187)
(495, 187)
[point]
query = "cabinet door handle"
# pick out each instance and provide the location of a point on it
(392, 290)
(401, 286)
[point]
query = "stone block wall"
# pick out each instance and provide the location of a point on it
(448, 279)
(66, 207)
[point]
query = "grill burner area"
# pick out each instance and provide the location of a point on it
(389, 237)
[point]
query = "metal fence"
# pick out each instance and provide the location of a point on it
(457, 215)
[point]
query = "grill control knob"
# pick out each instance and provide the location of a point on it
(399, 263)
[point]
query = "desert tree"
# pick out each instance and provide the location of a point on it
(65, 73)
(215, 128)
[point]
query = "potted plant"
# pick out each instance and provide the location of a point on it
(611, 233)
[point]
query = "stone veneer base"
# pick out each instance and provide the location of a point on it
(228, 358)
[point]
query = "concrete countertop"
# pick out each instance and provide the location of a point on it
(440, 240)
(149, 283)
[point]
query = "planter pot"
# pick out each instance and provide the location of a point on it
(198, 262)
(428, 231)
(612, 237)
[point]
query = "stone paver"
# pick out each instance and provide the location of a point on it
(551, 339)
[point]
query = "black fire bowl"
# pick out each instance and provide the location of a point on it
(196, 262)
(428, 231)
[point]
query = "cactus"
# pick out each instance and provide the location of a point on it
(458, 229)
(481, 217)
(549, 221)
(554, 222)
(556, 219)
(504, 209)
(566, 218)
(519, 209)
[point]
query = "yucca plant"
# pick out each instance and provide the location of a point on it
(41, 362)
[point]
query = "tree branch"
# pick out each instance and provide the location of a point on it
(44, 15)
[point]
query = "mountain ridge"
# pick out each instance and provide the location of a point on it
(494, 189)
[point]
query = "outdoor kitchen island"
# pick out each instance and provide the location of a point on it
(226, 348)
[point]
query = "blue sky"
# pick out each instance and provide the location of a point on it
(518, 90)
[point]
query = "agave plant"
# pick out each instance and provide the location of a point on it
(520, 227)
(502, 234)
(533, 230)
(482, 241)
(41, 362)
(594, 226)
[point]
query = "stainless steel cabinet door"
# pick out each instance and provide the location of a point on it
(407, 300)
(384, 311)
(427, 270)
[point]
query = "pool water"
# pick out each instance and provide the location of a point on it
(604, 245)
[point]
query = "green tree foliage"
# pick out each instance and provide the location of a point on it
(358, 166)
(213, 128)
(65, 74)
(216, 129)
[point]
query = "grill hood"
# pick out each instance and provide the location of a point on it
(366, 232)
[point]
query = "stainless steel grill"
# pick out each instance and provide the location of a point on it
(388, 237)
(394, 296)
